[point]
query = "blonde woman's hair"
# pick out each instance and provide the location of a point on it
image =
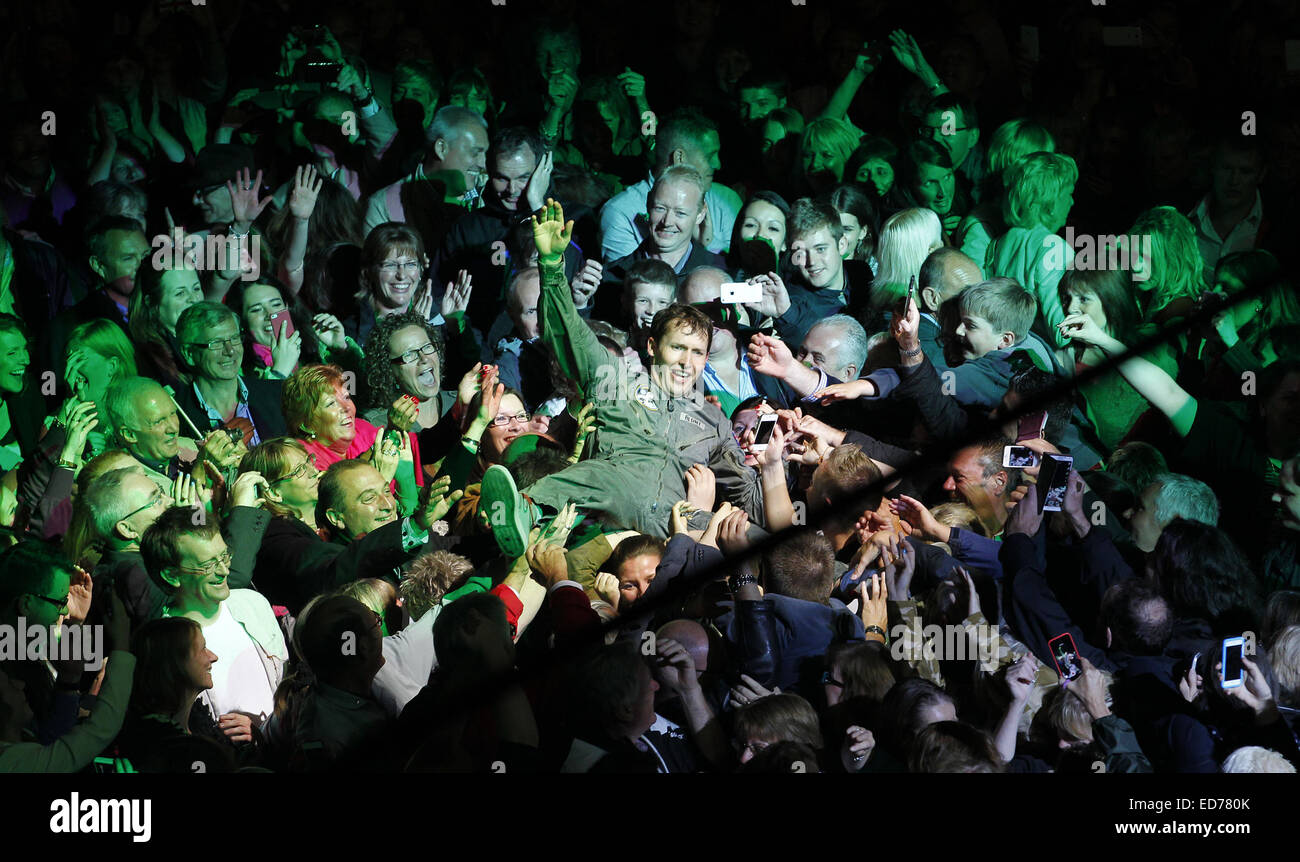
(906, 240)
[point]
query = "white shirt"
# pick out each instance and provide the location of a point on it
(239, 682)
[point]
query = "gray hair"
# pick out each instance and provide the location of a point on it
(448, 121)
(1184, 497)
(119, 403)
(106, 500)
(852, 349)
(1253, 758)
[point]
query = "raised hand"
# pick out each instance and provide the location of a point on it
(770, 356)
(674, 669)
(733, 533)
(749, 690)
(1019, 677)
(551, 233)
(586, 422)
(385, 454)
(423, 304)
(80, 422)
(874, 608)
(1255, 693)
(329, 329)
(540, 182)
(776, 299)
(562, 525)
(1025, 517)
(286, 350)
(436, 503)
(469, 385)
(906, 326)
(606, 587)
(586, 282)
(403, 413)
(247, 490)
(546, 558)
(302, 197)
(914, 512)
(856, 751)
(908, 54)
(455, 299)
(633, 84)
(243, 197)
(81, 589)
(677, 518)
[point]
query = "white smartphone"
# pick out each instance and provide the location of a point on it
(741, 291)
(1234, 669)
(1019, 456)
(763, 432)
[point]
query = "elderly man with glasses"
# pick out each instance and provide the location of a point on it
(192, 563)
(122, 504)
(220, 396)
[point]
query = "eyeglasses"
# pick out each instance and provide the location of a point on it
(505, 418)
(410, 356)
(298, 472)
(59, 604)
(827, 679)
(392, 266)
(931, 131)
(220, 343)
(211, 567)
(753, 747)
(154, 500)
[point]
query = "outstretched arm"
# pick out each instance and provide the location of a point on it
(576, 348)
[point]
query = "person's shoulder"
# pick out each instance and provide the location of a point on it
(726, 196)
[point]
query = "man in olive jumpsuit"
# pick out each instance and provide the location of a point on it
(653, 425)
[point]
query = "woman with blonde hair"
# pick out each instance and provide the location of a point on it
(906, 240)
(1013, 141)
(825, 149)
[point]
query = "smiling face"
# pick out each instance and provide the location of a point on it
(510, 174)
(201, 576)
(153, 431)
(465, 152)
(14, 359)
(819, 257)
(878, 174)
(679, 359)
(259, 303)
(180, 290)
(299, 486)
(222, 363)
(334, 419)
(967, 483)
(975, 337)
(198, 668)
(397, 276)
(854, 233)
(422, 377)
(499, 437)
(760, 218)
(745, 421)
(821, 349)
(675, 208)
(645, 300)
(366, 503)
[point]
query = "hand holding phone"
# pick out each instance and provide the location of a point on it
(1234, 669)
(763, 432)
(1066, 656)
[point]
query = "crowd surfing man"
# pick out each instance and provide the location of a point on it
(917, 349)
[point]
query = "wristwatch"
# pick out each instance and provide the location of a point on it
(741, 580)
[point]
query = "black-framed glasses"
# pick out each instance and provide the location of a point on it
(211, 567)
(59, 604)
(753, 746)
(505, 418)
(410, 356)
(828, 679)
(220, 343)
(931, 131)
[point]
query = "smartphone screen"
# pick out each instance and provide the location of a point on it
(763, 432)
(1066, 656)
(1019, 456)
(1234, 670)
(1052, 483)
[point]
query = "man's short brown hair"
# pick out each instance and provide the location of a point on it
(687, 318)
(845, 474)
(802, 567)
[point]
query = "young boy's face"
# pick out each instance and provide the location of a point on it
(976, 337)
(644, 300)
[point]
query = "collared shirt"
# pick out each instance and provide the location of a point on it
(1213, 248)
(215, 418)
(623, 219)
(714, 385)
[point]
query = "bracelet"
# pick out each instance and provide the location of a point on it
(877, 630)
(741, 580)
(917, 352)
(67, 465)
(234, 234)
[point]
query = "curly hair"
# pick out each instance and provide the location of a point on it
(430, 577)
(381, 373)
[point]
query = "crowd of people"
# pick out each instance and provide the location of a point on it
(809, 387)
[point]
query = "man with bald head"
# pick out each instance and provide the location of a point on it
(521, 360)
(944, 275)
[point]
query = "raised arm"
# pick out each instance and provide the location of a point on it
(577, 350)
(1151, 382)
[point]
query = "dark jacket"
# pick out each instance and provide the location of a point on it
(264, 399)
(804, 631)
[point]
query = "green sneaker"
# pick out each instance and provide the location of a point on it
(509, 512)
